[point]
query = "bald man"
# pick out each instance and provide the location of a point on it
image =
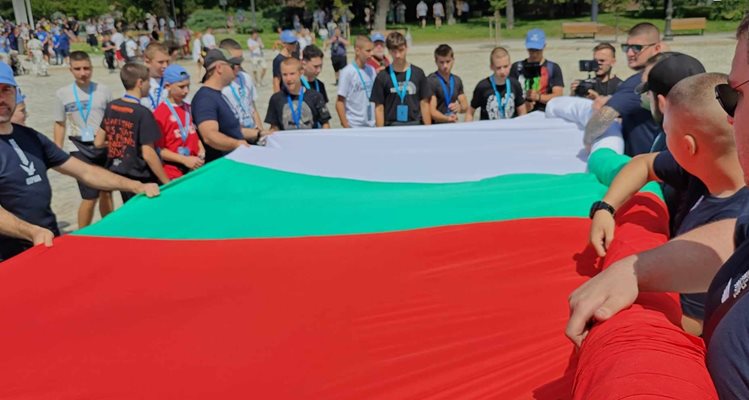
(702, 157)
(638, 128)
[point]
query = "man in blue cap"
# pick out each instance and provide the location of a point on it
(289, 40)
(26, 217)
(541, 78)
(379, 60)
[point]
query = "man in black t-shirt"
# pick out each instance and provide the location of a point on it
(605, 83)
(448, 97)
(109, 48)
(541, 78)
(312, 67)
(26, 217)
(499, 96)
(295, 107)
(129, 132)
(401, 92)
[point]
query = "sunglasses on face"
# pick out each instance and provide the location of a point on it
(728, 96)
(636, 48)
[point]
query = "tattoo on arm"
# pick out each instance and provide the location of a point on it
(599, 122)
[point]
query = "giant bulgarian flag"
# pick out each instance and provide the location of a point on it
(414, 263)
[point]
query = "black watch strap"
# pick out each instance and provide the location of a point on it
(601, 205)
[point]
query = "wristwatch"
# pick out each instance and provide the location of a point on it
(601, 205)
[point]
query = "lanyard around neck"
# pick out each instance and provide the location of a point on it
(367, 89)
(84, 116)
(296, 115)
(155, 103)
(501, 102)
(184, 130)
(402, 91)
(448, 94)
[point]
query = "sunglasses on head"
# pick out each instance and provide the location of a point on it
(728, 96)
(636, 48)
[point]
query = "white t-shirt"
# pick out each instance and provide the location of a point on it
(241, 99)
(209, 41)
(359, 109)
(131, 48)
(256, 49)
(66, 110)
(196, 49)
(421, 9)
(155, 96)
(438, 10)
(117, 39)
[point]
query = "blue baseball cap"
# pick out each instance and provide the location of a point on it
(288, 36)
(535, 39)
(175, 73)
(6, 75)
(377, 37)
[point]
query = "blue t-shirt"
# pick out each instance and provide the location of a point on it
(56, 40)
(726, 330)
(210, 105)
(42, 35)
(695, 207)
(638, 127)
(64, 42)
(25, 191)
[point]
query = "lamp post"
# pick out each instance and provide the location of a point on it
(254, 18)
(594, 10)
(667, 33)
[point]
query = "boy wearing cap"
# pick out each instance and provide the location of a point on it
(448, 99)
(289, 44)
(401, 93)
(79, 109)
(354, 107)
(241, 93)
(129, 132)
(541, 78)
(157, 59)
(179, 145)
(499, 96)
(379, 60)
(218, 126)
(295, 107)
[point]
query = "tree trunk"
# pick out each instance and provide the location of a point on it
(381, 13)
(497, 26)
(510, 14)
(450, 9)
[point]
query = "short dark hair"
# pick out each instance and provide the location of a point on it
(443, 50)
(229, 44)
(645, 28)
(311, 52)
(743, 26)
(131, 72)
(395, 40)
(605, 46)
(79, 56)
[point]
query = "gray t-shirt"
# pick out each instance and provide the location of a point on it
(66, 109)
(156, 94)
(359, 109)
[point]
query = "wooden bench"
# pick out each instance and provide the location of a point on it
(689, 24)
(579, 29)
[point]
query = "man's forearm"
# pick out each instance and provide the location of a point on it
(221, 142)
(599, 122)
(426, 115)
(340, 108)
(630, 179)
(154, 163)
(12, 226)
(380, 115)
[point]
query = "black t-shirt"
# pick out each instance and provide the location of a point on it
(25, 191)
(417, 89)
(209, 105)
(108, 43)
(277, 65)
(435, 85)
(726, 330)
(314, 111)
(638, 127)
(551, 76)
(485, 98)
(129, 126)
(687, 189)
(606, 88)
(319, 87)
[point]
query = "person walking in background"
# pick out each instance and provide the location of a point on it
(439, 12)
(421, 13)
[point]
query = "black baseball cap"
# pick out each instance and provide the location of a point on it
(666, 73)
(215, 55)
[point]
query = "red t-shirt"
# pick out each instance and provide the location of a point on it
(376, 64)
(171, 138)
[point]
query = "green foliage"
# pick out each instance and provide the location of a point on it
(211, 18)
(729, 10)
(133, 13)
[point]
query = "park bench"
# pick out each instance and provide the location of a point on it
(579, 29)
(689, 24)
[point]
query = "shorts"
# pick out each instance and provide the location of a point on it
(339, 62)
(257, 62)
(92, 41)
(423, 18)
(87, 192)
(64, 52)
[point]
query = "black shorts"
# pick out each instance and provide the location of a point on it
(87, 192)
(339, 62)
(92, 41)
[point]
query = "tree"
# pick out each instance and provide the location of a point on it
(497, 5)
(510, 14)
(381, 14)
(450, 8)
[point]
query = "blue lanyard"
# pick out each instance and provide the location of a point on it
(367, 89)
(448, 94)
(305, 82)
(131, 97)
(296, 115)
(240, 96)
(155, 103)
(501, 103)
(84, 117)
(184, 130)
(402, 91)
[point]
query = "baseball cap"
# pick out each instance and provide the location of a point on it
(666, 73)
(175, 73)
(215, 55)
(6, 75)
(535, 39)
(377, 37)
(288, 36)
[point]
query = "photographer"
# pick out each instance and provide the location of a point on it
(604, 83)
(541, 78)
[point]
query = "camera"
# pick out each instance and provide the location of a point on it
(531, 70)
(587, 84)
(589, 65)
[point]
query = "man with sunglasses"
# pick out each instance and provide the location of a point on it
(638, 128)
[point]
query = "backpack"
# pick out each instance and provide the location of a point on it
(123, 50)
